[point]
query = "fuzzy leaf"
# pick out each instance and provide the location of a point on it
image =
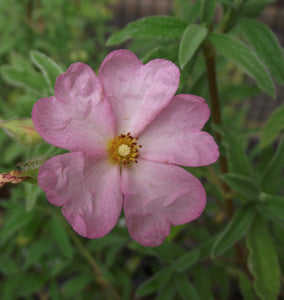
(191, 40)
(253, 8)
(60, 237)
(154, 282)
(167, 52)
(274, 205)
(262, 261)
(268, 180)
(25, 78)
(246, 287)
(207, 11)
(238, 160)
(158, 27)
(186, 261)
(38, 249)
(185, 288)
(188, 11)
(243, 57)
(166, 291)
(14, 223)
(243, 184)
(8, 265)
(76, 284)
(265, 44)
(234, 231)
(273, 127)
(49, 68)
(202, 282)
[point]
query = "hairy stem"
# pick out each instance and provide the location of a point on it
(110, 292)
(210, 59)
(100, 279)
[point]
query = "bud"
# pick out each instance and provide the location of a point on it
(22, 131)
(30, 168)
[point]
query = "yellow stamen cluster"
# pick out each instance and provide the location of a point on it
(124, 149)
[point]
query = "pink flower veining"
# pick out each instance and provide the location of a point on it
(126, 133)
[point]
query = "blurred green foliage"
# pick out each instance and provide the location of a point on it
(214, 257)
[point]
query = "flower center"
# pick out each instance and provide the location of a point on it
(124, 149)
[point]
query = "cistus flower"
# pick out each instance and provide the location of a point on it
(127, 135)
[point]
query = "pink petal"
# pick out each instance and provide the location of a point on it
(88, 188)
(157, 196)
(175, 137)
(137, 93)
(79, 117)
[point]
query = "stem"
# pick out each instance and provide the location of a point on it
(229, 18)
(108, 288)
(210, 59)
(100, 279)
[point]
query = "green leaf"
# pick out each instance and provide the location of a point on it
(158, 27)
(32, 192)
(169, 251)
(61, 238)
(166, 292)
(13, 223)
(268, 180)
(186, 261)
(207, 11)
(49, 68)
(239, 92)
(154, 282)
(20, 61)
(25, 78)
(262, 261)
(253, 8)
(274, 205)
(9, 288)
(246, 287)
(30, 283)
(167, 52)
(188, 11)
(76, 284)
(36, 251)
(243, 57)
(58, 266)
(238, 160)
(191, 40)
(273, 127)
(243, 184)
(234, 231)
(111, 240)
(185, 288)
(202, 282)
(8, 265)
(54, 291)
(266, 46)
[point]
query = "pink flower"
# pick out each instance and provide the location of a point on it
(99, 119)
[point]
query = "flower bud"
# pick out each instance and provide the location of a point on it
(22, 131)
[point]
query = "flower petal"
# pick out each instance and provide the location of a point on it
(88, 188)
(157, 196)
(175, 137)
(79, 117)
(137, 93)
